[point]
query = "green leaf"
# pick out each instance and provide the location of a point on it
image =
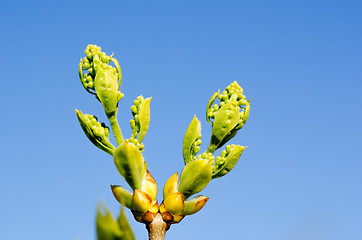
(130, 164)
(97, 133)
(144, 118)
(194, 177)
(209, 106)
(190, 145)
(107, 90)
(225, 121)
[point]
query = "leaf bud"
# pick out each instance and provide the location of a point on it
(174, 203)
(149, 185)
(171, 185)
(122, 195)
(141, 201)
(194, 205)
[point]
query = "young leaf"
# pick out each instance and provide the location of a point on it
(144, 118)
(122, 195)
(225, 121)
(191, 142)
(194, 177)
(130, 164)
(106, 87)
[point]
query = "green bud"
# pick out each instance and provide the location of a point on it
(227, 160)
(134, 109)
(194, 177)
(97, 133)
(130, 164)
(85, 79)
(206, 156)
(194, 205)
(191, 142)
(137, 143)
(122, 195)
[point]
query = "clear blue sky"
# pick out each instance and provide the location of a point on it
(299, 61)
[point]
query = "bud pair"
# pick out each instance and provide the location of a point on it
(133, 168)
(194, 177)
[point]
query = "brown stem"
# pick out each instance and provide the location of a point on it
(157, 228)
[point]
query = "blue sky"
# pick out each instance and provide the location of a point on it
(299, 61)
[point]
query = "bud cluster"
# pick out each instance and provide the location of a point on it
(135, 122)
(100, 130)
(97, 132)
(101, 79)
(141, 118)
(220, 160)
(233, 92)
(196, 145)
(175, 205)
(137, 143)
(227, 160)
(95, 59)
(206, 156)
(228, 116)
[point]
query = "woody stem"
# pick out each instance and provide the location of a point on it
(157, 228)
